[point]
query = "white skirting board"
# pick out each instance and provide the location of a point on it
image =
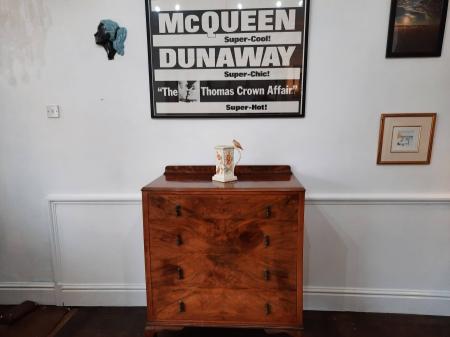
(315, 298)
(368, 253)
(17, 292)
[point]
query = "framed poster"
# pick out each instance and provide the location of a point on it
(416, 28)
(406, 138)
(227, 58)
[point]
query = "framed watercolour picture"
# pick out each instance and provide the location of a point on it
(416, 28)
(406, 138)
(221, 58)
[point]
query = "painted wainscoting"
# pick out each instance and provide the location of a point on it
(362, 253)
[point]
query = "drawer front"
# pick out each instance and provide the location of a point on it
(222, 236)
(278, 207)
(224, 305)
(231, 271)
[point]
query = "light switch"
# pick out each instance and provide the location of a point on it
(53, 111)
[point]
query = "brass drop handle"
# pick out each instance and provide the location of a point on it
(178, 210)
(181, 306)
(268, 309)
(266, 241)
(180, 273)
(268, 211)
(267, 274)
(179, 240)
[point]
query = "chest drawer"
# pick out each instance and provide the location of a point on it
(222, 236)
(277, 207)
(225, 271)
(224, 305)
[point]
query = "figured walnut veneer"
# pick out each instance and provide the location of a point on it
(224, 255)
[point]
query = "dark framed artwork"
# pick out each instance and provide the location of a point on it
(406, 138)
(221, 58)
(416, 28)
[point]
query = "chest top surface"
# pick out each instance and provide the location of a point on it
(250, 178)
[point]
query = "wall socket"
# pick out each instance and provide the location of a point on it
(53, 111)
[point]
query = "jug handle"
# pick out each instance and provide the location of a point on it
(240, 156)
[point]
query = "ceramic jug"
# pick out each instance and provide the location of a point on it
(225, 163)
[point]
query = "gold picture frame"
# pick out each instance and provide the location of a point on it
(406, 138)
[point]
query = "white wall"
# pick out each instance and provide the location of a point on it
(360, 254)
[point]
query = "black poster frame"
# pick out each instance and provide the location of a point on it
(300, 114)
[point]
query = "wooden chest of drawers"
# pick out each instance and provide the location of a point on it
(224, 255)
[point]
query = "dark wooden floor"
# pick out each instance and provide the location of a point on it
(129, 322)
